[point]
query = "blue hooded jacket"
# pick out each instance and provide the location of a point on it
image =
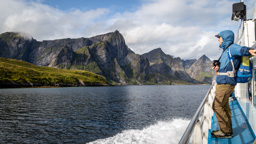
(236, 52)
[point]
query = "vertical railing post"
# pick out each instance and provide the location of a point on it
(194, 121)
(197, 133)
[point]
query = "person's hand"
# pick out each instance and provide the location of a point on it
(216, 68)
(252, 52)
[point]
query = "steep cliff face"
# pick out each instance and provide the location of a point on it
(119, 48)
(13, 45)
(201, 70)
(117, 61)
(159, 61)
(180, 72)
(64, 58)
(168, 66)
(44, 53)
(105, 54)
(83, 60)
(188, 63)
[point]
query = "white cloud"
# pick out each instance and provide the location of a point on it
(45, 22)
(183, 28)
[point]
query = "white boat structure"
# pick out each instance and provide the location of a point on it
(242, 103)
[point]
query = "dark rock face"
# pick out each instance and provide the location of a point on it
(105, 54)
(65, 57)
(188, 63)
(13, 45)
(201, 70)
(167, 65)
(117, 61)
(102, 54)
(159, 61)
(44, 52)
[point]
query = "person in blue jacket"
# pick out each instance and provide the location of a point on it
(226, 81)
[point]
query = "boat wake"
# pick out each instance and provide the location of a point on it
(164, 132)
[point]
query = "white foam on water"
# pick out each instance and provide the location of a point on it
(163, 132)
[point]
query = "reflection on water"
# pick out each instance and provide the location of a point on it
(80, 115)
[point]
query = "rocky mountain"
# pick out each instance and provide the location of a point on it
(201, 70)
(188, 63)
(13, 45)
(105, 54)
(167, 65)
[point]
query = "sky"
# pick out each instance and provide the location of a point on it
(182, 28)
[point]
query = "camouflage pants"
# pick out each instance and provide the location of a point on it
(221, 106)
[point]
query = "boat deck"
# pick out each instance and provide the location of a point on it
(242, 132)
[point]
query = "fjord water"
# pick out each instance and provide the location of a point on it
(123, 114)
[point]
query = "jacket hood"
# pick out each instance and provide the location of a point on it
(228, 38)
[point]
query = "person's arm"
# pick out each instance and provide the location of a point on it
(238, 50)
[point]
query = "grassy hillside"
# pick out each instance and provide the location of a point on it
(16, 73)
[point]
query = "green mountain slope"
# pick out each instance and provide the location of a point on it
(16, 73)
(106, 55)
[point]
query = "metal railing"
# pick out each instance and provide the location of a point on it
(187, 134)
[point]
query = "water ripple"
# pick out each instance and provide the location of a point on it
(81, 115)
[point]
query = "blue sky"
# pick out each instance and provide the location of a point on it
(183, 28)
(115, 5)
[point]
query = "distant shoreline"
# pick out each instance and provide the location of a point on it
(92, 85)
(50, 86)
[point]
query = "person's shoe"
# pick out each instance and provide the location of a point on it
(220, 134)
(214, 131)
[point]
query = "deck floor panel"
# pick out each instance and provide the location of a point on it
(242, 133)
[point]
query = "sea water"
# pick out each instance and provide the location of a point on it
(98, 115)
